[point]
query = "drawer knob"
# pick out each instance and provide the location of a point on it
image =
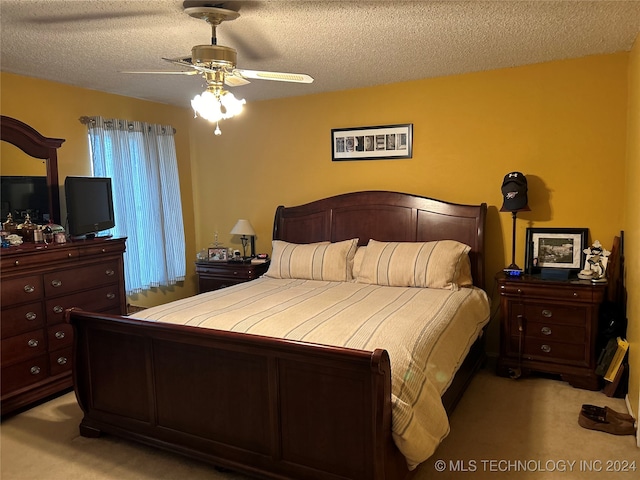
(109, 272)
(58, 309)
(111, 295)
(30, 315)
(69, 255)
(547, 313)
(104, 250)
(16, 263)
(56, 283)
(29, 288)
(545, 348)
(545, 330)
(35, 370)
(32, 343)
(62, 360)
(575, 294)
(59, 335)
(519, 291)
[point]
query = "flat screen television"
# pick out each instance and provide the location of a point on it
(22, 195)
(89, 205)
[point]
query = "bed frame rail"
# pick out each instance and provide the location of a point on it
(316, 412)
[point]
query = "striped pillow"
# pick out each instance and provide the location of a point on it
(332, 262)
(441, 264)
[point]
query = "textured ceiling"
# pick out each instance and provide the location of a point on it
(342, 44)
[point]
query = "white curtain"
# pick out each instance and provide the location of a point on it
(141, 161)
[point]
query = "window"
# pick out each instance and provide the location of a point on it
(141, 161)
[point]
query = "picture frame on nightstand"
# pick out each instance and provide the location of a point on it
(555, 248)
(218, 254)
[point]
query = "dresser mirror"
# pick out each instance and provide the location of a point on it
(34, 157)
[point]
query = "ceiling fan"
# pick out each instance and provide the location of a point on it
(217, 64)
(220, 61)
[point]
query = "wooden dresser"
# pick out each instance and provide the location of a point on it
(550, 326)
(39, 282)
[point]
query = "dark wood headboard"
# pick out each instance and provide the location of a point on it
(386, 217)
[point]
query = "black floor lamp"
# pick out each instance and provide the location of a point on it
(514, 200)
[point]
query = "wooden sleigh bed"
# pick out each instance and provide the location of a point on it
(269, 407)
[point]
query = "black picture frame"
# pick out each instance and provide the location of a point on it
(561, 248)
(382, 142)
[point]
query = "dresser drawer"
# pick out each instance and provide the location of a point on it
(21, 319)
(22, 289)
(60, 361)
(550, 351)
(558, 314)
(60, 336)
(101, 249)
(11, 263)
(24, 373)
(97, 300)
(72, 280)
(23, 346)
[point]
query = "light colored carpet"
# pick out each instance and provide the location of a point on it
(498, 422)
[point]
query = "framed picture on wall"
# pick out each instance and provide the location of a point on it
(372, 143)
(555, 248)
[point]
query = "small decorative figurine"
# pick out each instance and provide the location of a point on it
(596, 264)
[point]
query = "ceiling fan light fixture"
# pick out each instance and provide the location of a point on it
(217, 105)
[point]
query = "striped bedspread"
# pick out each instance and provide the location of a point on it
(427, 333)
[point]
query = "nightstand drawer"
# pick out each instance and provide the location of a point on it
(216, 275)
(553, 332)
(550, 351)
(578, 292)
(558, 314)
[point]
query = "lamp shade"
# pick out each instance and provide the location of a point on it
(243, 227)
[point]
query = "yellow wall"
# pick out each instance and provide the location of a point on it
(563, 124)
(54, 110)
(632, 228)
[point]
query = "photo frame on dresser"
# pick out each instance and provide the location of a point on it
(557, 248)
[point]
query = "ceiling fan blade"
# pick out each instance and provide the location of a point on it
(232, 80)
(277, 76)
(182, 61)
(190, 72)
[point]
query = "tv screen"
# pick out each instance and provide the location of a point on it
(22, 195)
(89, 205)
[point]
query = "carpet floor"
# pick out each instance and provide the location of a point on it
(502, 428)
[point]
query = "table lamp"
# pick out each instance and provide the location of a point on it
(245, 229)
(514, 200)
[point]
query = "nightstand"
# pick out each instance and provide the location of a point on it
(215, 275)
(550, 326)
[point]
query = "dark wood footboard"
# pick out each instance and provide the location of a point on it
(264, 406)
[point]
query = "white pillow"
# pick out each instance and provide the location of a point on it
(313, 261)
(440, 264)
